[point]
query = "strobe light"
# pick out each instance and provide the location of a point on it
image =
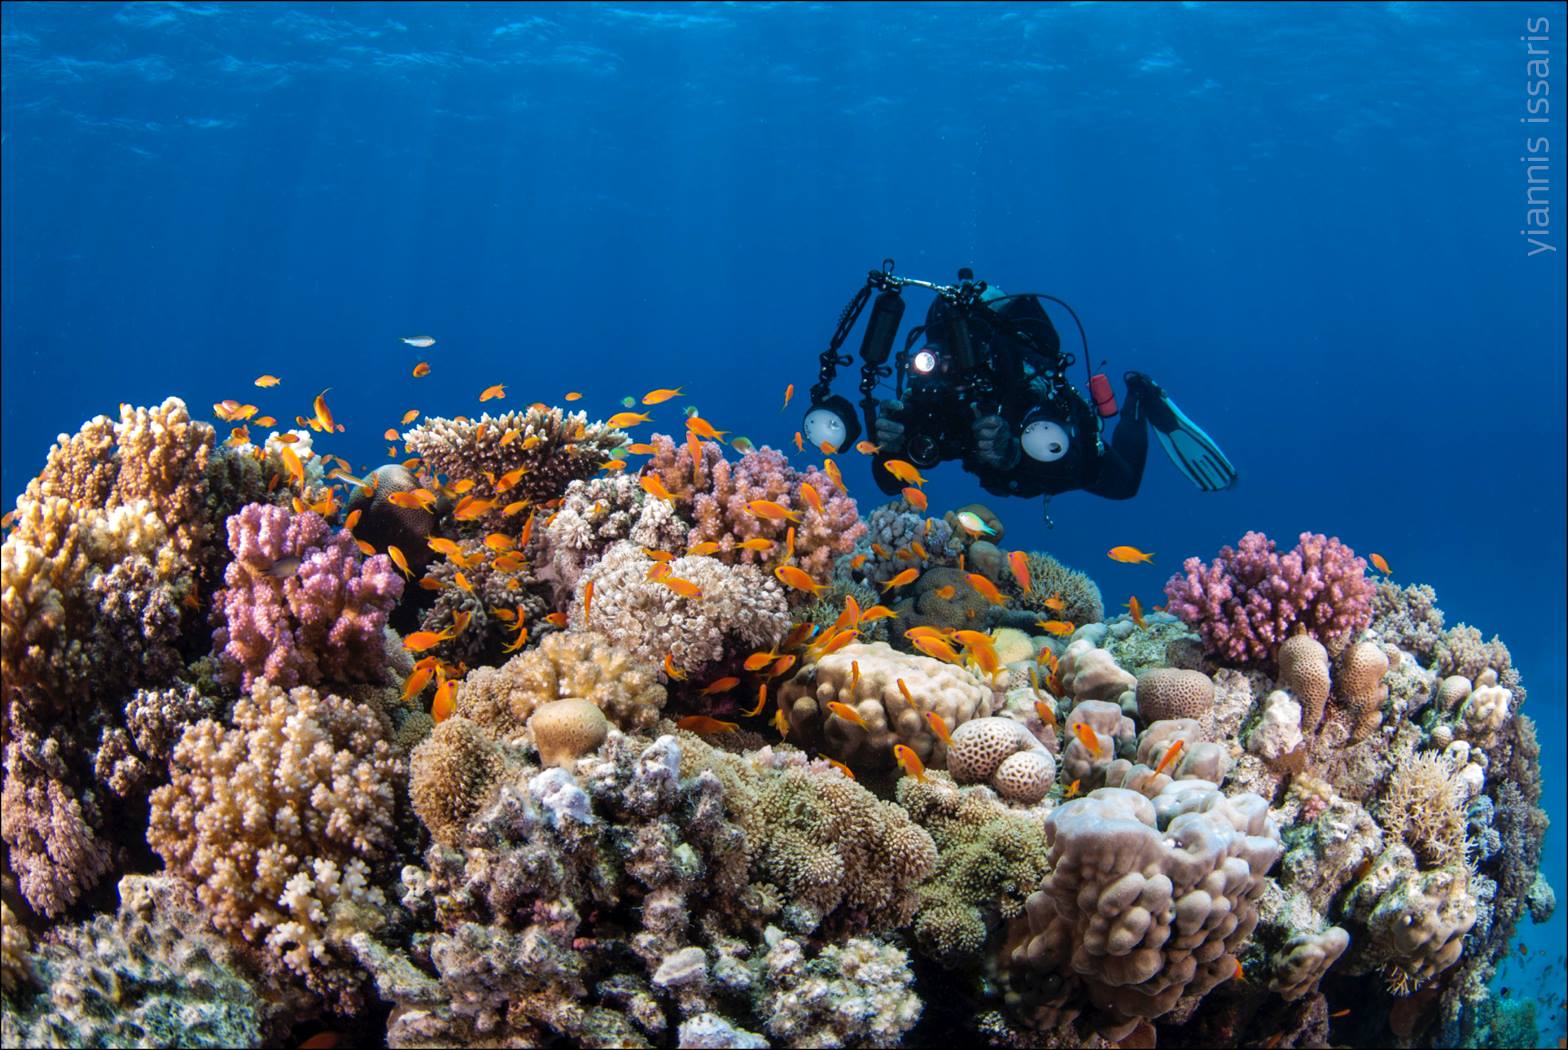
(924, 361)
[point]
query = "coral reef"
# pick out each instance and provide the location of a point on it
(150, 974)
(715, 495)
(278, 818)
(1246, 602)
(867, 678)
(300, 606)
(737, 608)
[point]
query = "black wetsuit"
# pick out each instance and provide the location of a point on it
(1113, 471)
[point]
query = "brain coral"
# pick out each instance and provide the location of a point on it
(1001, 752)
(1167, 692)
(874, 691)
(277, 819)
(738, 608)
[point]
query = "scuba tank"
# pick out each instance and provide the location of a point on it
(1104, 399)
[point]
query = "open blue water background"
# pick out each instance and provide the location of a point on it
(1303, 220)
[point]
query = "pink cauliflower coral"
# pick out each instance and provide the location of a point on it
(300, 606)
(1250, 599)
(716, 494)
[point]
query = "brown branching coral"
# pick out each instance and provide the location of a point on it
(1423, 802)
(279, 819)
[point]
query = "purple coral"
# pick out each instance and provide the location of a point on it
(300, 606)
(1248, 600)
(718, 493)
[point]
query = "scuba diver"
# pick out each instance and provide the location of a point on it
(989, 386)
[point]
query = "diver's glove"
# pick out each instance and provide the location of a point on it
(994, 444)
(887, 431)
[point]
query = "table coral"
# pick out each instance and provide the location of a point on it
(1246, 602)
(300, 604)
(278, 817)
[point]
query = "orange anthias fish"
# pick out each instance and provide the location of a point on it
(1072, 789)
(684, 588)
(292, 464)
(469, 508)
(1018, 561)
(909, 761)
(903, 690)
(1055, 603)
(904, 471)
(670, 669)
(848, 714)
(1381, 565)
(808, 496)
(771, 511)
(419, 641)
(781, 722)
(800, 442)
(705, 724)
(400, 561)
(1169, 761)
(323, 413)
(758, 660)
(866, 448)
(267, 380)
(703, 549)
(875, 613)
(1129, 555)
(908, 576)
(762, 701)
(789, 392)
(1089, 739)
(621, 420)
(854, 676)
(830, 468)
(782, 664)
(588, 601)
(444, 546)
(1135, 609)
(661, 395)
(1046, 712)
(698, 425)
(421, 370)
(1060, 628)
(352, 520)
(723, 685)
(409, 416)
(445, 702)
(836, 764)
(408, 501)
(946, 593)
(423, 671)
(798, 579)
(916, 498)
(654, 486)
(757, 543)
(938, 726)
(500, 541)
(936, 647)
(986, 588)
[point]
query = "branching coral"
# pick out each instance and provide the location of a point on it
(1049, 579)
(1423, 802)
(551, 447)
(597, 513)
(1246, 602)
(302, 605)
(715, 497)
(738, 608)
(278, 819)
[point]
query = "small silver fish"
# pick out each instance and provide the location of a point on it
(283, 568)
(420, 341)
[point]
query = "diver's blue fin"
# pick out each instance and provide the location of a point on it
(1194, 452)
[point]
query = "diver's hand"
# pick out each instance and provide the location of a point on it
(889, 432)
(994, 444)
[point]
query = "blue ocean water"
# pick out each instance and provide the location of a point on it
(1304, 221)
